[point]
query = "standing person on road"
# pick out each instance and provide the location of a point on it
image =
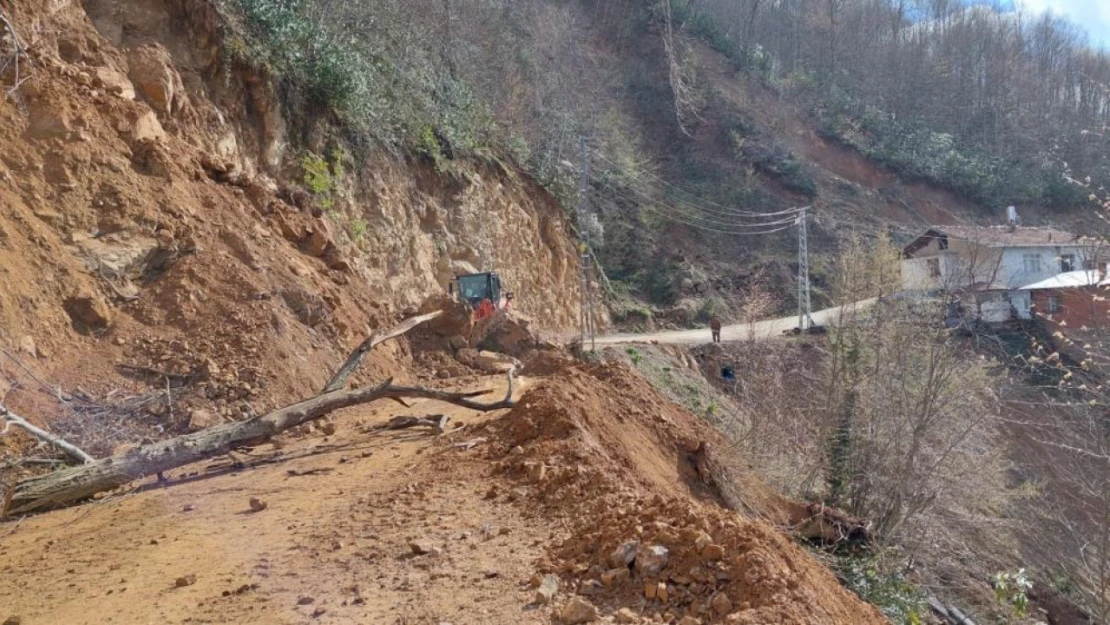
(715, 327)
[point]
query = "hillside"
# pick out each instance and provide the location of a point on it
(208, 204)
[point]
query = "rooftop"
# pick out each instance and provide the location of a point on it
(998, 236)
(1068, 280)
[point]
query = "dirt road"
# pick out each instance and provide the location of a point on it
(760, 330)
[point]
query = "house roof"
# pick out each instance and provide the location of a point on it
(996, 236)
(1069, 280)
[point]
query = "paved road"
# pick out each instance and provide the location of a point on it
(741, 331)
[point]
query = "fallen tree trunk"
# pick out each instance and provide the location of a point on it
(77, 483)
(70, 449)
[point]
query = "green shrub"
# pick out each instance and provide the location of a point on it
(902, 602)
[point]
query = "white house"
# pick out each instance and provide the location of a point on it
(993, 263)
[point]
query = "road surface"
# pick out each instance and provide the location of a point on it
(737, 332)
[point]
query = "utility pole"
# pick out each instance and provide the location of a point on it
(586, 313)
(805, 307)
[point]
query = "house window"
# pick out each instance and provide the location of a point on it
(1053, 304)
(934, 267)
(1032, 263)
(1067, 262)
(942, 243)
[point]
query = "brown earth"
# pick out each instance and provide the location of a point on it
(154, 215)
(365, 526)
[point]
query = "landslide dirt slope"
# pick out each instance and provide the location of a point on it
(370, 527)
(153, 214)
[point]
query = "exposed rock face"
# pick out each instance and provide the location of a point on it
(88, 312)
(153, 73)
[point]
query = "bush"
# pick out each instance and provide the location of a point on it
(901, 602)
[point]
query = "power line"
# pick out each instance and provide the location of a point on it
(694, 201)
(711, 223)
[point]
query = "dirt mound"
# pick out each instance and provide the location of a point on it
(648, 531)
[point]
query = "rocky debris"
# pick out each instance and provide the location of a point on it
(203, 419)
(548, 586)
(13, 620)
(319, 611)
(507, 333)
(257, 505)
(615, 576)
(651, 559)
(577, 611)
(536, 471)
(306, 600)
(185, 580)
(423, 547)
(88, 312)
(830, 525)
(624, 554)
(625, 615)
(153, 75)
(145, 128)
(489, 362)
(713, 552)
(721, 604)
(113, 82)
(317, 239)
(457, 318)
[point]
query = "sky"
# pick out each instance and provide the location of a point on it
(1093, 15)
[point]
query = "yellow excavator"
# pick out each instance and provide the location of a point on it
(483, 293)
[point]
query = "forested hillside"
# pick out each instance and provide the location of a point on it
(876, 113)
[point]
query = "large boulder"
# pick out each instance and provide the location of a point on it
(456, 320)
(153, 75)
(508, 333)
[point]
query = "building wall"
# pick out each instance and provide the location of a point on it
(1013, 274)
(1078, 308)
(964, 264)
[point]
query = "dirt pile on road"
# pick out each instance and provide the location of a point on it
(596, 450)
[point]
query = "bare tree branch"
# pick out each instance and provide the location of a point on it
(71, 450)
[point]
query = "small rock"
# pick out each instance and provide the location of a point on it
(321, 610)
(88, 312)
(650, 590)
(257, 505)
(516, 451)
(203, 419)
(328, 428)
(422, 547)
(661, 592)
(306, 601)
(625, 554)
(188, 507)
(651, 559)
(185, 580)
(721, 604)
(549, 585)
(625, 615)
(713, 552)
(490, 574)
(615, 576)
(577, 611)
(702, 541)
(13, 620)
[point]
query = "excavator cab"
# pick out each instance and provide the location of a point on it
(482, 292)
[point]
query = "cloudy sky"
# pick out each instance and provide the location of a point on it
(1094, 15)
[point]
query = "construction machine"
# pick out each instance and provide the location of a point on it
(482, 292)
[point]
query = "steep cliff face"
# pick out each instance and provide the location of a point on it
(155, 213)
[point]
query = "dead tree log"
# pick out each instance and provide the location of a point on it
(70, 449)
(78, 483)
(339, 380)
